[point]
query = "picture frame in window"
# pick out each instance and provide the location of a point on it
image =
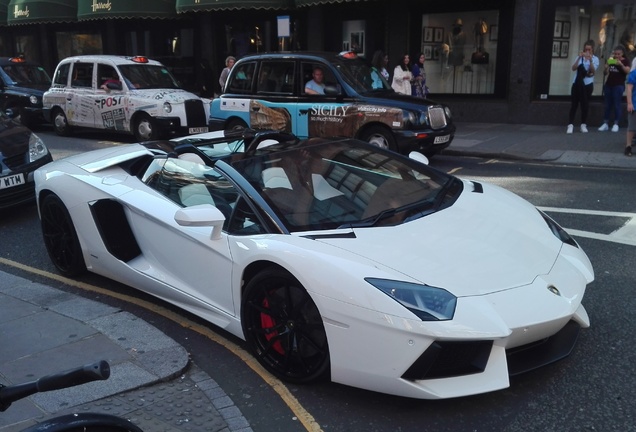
(565, 49)
(428, 34)
(438, 36)
(357, 41)
(345, 45)
(565, 30)
(494, 32)
(558, 28)
(556, 49)
(428, 52)
(436, 52)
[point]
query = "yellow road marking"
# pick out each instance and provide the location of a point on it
(301, 413)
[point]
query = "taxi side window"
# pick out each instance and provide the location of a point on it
(241, 79)
(307, 69)
(276, 77)
(107, 74)
(82, 75)
(61, 75)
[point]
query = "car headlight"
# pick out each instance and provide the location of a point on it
(427, 302)
(37, 149)
(167, 107)
(34, 100)
(448, 112)
(411, 118)
(558, 231)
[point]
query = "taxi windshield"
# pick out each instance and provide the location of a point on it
(145, 76)
(361, 75)
(26, 75)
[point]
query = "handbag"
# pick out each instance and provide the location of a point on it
(479, 57)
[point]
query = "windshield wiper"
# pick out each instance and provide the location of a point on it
(384, 214)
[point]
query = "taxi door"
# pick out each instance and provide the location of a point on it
(80, 96)
(110, 98)
(319, 114)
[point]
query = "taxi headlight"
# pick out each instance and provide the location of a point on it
(37, 149)
(34, 100)
(448, 112)
(427, 302)
(167, 107)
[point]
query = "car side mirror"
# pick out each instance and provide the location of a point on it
(202, 215)
(332, 90)
(417, 156)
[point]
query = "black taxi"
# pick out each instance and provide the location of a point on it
(273, 91)
(22, 85)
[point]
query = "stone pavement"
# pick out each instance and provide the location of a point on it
(44, 330)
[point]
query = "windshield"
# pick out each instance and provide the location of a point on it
(144, 76)
(361, 76)
(26, 75)
(343, 184)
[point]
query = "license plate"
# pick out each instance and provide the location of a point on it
(12, 180)
(198, 130)
(441, 139)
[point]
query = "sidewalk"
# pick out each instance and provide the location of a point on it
(542, 143)
(44, 330)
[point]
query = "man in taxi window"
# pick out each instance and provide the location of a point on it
(315, 86)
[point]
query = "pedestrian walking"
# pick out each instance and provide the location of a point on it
(584, 67)
(229, 62)
(631, 117)
(402, 76)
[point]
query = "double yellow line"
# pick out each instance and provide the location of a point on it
(301, 413)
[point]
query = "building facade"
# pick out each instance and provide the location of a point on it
(504, 61)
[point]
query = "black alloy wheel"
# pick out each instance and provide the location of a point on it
(60, 237)
(283, 328)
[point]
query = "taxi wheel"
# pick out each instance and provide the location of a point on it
(380, 137)
(145, 129)
(236, 124)
(60, 123)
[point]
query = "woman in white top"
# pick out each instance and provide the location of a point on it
(402, 76)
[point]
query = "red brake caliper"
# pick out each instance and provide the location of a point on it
(267, 322)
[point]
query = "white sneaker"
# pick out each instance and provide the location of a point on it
(570, 129)
(603, 127)
(615, 128)
(583, 128)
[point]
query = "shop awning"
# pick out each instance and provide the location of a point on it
(41, 11)
(301, 3)
(4, 4)
(109, 9)
(216, 5)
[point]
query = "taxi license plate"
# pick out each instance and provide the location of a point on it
(11, 181)
(197, 130)
(441, 139)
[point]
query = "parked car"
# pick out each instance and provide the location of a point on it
(22, 85)
(267, 91)
(134, 95)
(330, 257)
(21, 153)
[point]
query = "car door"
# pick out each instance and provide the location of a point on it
(110, 99)
(81, 95)
(322, 115)
(194, 269)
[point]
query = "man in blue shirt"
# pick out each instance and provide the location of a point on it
(316, 86)
(631, 117)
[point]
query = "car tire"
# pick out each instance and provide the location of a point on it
(283, 327)
(236, 124)
(60, 237)
(60, 123)
(379, 136)
(145, 128)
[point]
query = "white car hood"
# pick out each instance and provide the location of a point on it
(493, 236)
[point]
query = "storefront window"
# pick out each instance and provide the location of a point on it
(72, 43)
(460, 51)
(607, 25)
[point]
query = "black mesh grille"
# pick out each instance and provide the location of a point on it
(15, 162)
(195, 113)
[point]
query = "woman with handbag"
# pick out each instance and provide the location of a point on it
(585, 66)
(402, 76)
(419, 88)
